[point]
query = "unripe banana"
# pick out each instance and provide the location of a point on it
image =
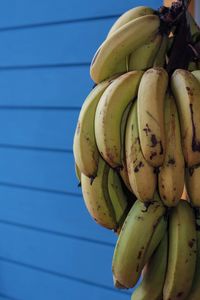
(85, 149)
(196, 74)
(172, 172)
(120, 44)
(143, 57)
(137, 166)
(130, 15)
(109, 115)
(192, 184)
(160, 59)
(195, 290)
(182, 252)
(151, 96)
(133, 240)
(152, 283)
(186, 90)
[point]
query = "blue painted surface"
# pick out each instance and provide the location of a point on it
(50, 247)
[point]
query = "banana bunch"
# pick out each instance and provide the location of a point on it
(137, 155)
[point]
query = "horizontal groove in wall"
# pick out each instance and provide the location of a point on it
(51, 232)
(44, 66)
(55, 23)
(22, 107)
(33, 188)
(68, 277)
(43, 149)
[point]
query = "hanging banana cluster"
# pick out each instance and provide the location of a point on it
(136, 148)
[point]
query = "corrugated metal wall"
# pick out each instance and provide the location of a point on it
(50, 248)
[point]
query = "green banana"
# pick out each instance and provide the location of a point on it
(109, 115)
(84, 147)
(143, 57)
(196, 74)
(160, 59)
(130, 15)
(138, 168)
(134, 238)
(151, 96)
(186, 90)
(154, 276)
(195, 290)
(172, 172)
(120, 44)
(192, 176)
(182, 252)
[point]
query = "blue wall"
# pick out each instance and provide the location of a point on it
(50, 248)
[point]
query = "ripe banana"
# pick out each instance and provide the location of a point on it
(172, 172)
(182, 252)
(151, 96)
(137, 166)
(195, 290)
(78, 173)
(120, 44)
(160, 59)
(192, 184)
(196, 74)
(130, 15)
(143, 57)
(133, 240)
(186, 90)
(154, 276)
(109, 115)
(85, 149)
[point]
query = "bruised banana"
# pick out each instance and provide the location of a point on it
(84, 147)
(143, 57)
(182, 252)
(172, 172)
(134, 238)
(137, 166)
(192, 184)
(195, 289)
(154, 275)
(109, 115)
(120, 44)
(151, 96)
(186, 90)
(104, 197)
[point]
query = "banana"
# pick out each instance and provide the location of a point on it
(196, 74)
(84, 147)
(195, 290)
(109, 115)
(130, 15)
(192, 66)
(160, 59)
(151, 95)
(154, 276)
(133, 240)
(96, 197)
(117, 196)
(186, 90)
(194, 27)
(78, 173)
(192, 184)
(143, 57)
(138, 168)
(172, 172)
(120, 44)
(182, 252)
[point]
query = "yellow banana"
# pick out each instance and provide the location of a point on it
(172, 172)
(151, 95)
(109, 115)
(138, 168)
(152, 283)
(85, 149)
(133, 240)
(120, 44)
(192, 184)
(78, 173)
(182, 252)
(186, 90)
(143, 57)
